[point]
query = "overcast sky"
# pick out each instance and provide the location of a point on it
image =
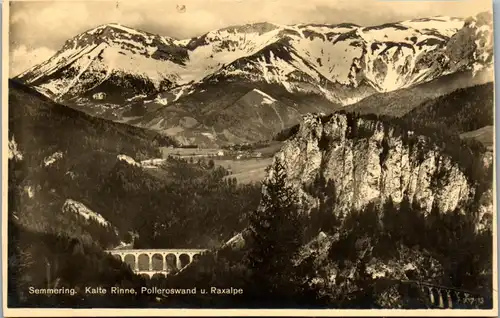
(39, 28)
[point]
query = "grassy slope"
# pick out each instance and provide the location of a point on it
(485, 135)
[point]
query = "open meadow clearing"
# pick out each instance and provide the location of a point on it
(246, 170)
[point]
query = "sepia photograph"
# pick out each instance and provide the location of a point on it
(321, 157)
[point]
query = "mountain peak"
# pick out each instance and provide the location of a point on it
(259, 27)
(113, 33)
(116, 27)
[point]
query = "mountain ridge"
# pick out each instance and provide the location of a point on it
(154, 81)
(175, 54)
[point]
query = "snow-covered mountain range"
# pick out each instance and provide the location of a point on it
(121, 73)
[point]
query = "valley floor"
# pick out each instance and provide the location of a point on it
(247, 170)
(247, 166)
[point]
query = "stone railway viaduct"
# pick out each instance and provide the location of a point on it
(442, 297)
(151, 262)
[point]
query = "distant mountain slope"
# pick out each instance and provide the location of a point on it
(463, 110)
(399, 102)
(107, 67)
(225, 112)
(40, 127)
(231, 112)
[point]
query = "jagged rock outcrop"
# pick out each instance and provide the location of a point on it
(368, 160)
(485, 213)
(49, 160)
(131, 161)
(14, 152)
(336, 282)
(72, 206)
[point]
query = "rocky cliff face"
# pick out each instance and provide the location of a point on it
(369, 160)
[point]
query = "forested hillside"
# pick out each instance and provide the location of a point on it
(65, 165)
(42, 127)
(402, 101)
(358, 262)
(192, 206)
(62, 260)
(463, 110)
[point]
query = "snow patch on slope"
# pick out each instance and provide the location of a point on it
(446, 26)
(334, 62)
(267, 99)
(223, 47)
(140, 66)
